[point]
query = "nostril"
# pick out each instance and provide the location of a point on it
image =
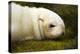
(62, 33)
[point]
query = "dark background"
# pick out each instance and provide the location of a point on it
(69, 14)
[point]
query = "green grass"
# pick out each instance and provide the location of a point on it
(44, 45)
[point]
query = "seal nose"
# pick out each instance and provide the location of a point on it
(62, 33)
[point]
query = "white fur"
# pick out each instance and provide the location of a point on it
(33, 23)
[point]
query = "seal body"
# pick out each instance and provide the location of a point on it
(34, 23)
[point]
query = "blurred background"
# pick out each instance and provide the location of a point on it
(69, 14)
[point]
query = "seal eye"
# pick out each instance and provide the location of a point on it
(51, 25)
